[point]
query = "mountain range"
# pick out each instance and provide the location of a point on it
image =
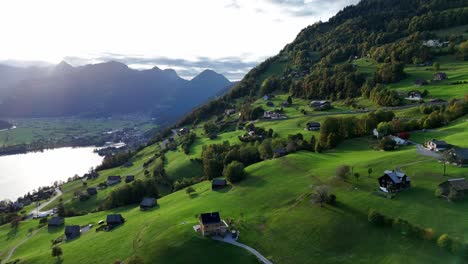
(109, 88)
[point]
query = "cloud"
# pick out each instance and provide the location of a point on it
(304, 8)
(233, 4)
(234, 68)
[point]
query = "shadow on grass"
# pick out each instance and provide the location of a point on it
(224, 189)
(12, 233)
(154, 208)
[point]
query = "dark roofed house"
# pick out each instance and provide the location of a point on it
(313, 126)
(111, 180)
(415, 95)
(320, 105)
(279, 152)
(114, 220)
(285, 104)
(56, 221)
(211, 224)
(393, 181)
(72, 232)
(91, 191)
(129, 178)
(420, 82)
(270, 104)
(440, 76)
(459, 156)
(183, 131)
(218, 184)
(456, 188)
(437, 145)
(147, 203)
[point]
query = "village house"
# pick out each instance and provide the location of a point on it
(440, 76)
(320, 105)
(279, 152)
(91, 191)
(229, 112)
(56, 222)
(111, 180)
(432, 43)
(183, 131)
(272, 115)
(459, 156)
(415, 95)
(420, 82)
(313, 126)
(147, 203)
(218, 184)
(270, 104)
(437, 145)
(394, 181)
(285, 104)
(399, 141)
(454, 187)
(114, 220)
(129, 178)
(72, 232)
(211, 224)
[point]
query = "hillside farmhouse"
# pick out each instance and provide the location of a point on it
(218, 184)
(114, 220)
(320, 105)
(129, 178)
(415, 95)
(91, 191)
(437, 145)
(459, 156)
(420, 82)
(211, 224)
(72, 232)
(454, 187)
(313, 126)
(440, 76)
(147, 203)
(111, 180)
(394, 181)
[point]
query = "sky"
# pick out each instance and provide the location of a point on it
(228, 36)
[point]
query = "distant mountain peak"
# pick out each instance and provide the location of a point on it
(63, 67)
(156, 68)
(209, 75)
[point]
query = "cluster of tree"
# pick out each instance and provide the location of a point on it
(112, 161)
(180, 184)
(186, 141)
(131, 193)
(389, 72)
(435, 19)
(462, 53)
(338, 82)
(9, 217)
(444, 241)
(247, 112)
(336, 129)
(159, 173)
(380, 95)
(255, 133)
(234, 172)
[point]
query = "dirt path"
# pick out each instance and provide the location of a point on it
(231, 241)
(12, 251)
(38, 209)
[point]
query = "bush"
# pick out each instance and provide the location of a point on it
(376, 218)
(387, 144)
(444, 241)
(234, 172)
(342, 172)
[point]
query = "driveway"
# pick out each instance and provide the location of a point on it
(425, 152)
(228, 239)
(37, 210)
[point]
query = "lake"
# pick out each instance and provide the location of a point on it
(22, 173)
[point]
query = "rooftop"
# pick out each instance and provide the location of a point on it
(210, 218)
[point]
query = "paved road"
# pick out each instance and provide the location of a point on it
(19, 244)
(228, 239)
(425, 152)
(37, 210)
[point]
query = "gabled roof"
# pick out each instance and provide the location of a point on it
(396, 176)
(459, 184)
(73, 230)
(114, 218)
(461, 153)
(91, 190)
(313, 124)
(219, 182)
(210, 218)
(56, 221)
(438, 142)
(148, 202)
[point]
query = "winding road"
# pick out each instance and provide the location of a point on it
(19, 244)
(37, 210)
(228, 239)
